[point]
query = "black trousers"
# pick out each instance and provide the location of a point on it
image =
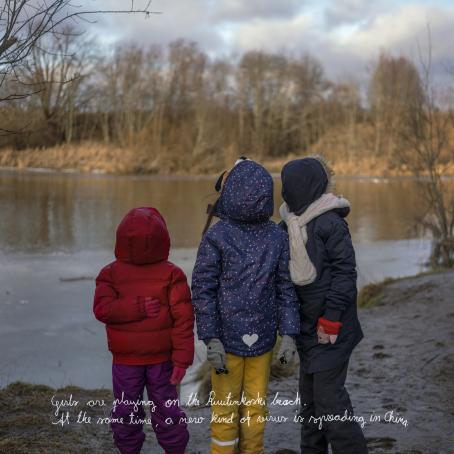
(323, 394)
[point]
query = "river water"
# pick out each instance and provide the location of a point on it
(57, 230)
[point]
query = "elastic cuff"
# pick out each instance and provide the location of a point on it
(332, 315)
(207, 340)
(328, 326)
(178, 363)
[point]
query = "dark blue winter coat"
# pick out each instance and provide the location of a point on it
(333, 294)
(241, 287)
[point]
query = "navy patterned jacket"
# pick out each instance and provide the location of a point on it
(241, 287)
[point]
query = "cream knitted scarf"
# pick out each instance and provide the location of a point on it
(302, 270)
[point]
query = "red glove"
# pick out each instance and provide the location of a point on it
(328, 326)
(152, 306)
(177, 375)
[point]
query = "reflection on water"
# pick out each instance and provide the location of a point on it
(45, 296)
(60, 212)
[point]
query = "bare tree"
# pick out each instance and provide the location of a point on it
(277, 95)
(395, 84)
(343, 108)
(173, 108)
(24, 23)
(56, 69)
(425, 149)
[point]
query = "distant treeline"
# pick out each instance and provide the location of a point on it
(180, 109)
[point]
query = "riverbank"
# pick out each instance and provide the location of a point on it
(404, 365)
(108, 159)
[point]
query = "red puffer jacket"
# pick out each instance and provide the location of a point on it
(142, 270)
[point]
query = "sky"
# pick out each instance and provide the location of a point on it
(346, 36)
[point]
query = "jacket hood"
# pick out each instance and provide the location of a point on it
(247, 194)
(142, 237)
(303, 182)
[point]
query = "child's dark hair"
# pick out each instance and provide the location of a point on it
(211, 208)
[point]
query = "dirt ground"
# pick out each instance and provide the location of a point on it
(404, 365)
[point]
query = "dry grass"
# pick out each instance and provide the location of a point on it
(110, 159)
(370, 294)
(102, 158)
(87, 157)
(373, 294)
(352, 154)
(370, 167)
(364, 167)
(26, 424)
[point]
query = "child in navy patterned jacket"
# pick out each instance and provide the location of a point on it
(243, 295)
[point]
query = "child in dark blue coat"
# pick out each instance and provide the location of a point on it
(323, 269)
(243, 295)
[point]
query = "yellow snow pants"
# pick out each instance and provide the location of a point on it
(238, 408)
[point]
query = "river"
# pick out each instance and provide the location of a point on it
(57, 230)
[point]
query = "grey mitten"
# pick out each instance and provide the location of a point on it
(216, 354)
(287, 350)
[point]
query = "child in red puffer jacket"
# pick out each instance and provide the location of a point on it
(145, 302)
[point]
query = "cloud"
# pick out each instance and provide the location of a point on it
(351, 50)
(275, 35)
(189, 19)
(341, 12)
(204, 21)
(400, 31)
(345, 35)
(240, 10)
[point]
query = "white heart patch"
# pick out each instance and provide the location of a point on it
(250, 339)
